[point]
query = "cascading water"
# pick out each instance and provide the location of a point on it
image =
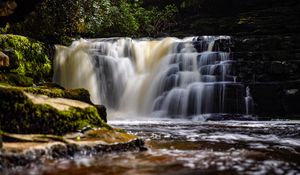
(165, 77)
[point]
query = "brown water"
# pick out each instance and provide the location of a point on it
(192, 147)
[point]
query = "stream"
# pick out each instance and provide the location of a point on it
(192, 147)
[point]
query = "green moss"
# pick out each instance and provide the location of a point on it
(120, 130)
(52, 92)
(16, 79)
(30, 54)
(75, 94)
(245, 20)
(19, 115)
(108, 135)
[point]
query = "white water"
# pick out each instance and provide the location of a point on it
(166, 77)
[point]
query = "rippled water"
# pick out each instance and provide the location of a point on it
(193, 147)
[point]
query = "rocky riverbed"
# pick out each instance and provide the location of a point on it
(23, 150)
(42, 122)
(191, 147)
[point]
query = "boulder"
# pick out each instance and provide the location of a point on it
(26, 113)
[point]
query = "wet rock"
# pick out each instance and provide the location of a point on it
(102, 112)
(277, 99)
(223, 45)
(35, 153)
(270, 64)
(27, 149)
(13, 59)
(265, 58)
(277, 68)
(1, 143)
(4, 61)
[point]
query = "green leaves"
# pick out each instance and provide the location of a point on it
(54, 20)
(30, 55)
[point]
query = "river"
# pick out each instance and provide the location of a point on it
(192, 147)
(171, 81)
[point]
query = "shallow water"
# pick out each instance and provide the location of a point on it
(193, 147)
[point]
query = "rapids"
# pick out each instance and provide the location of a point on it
(191, 147)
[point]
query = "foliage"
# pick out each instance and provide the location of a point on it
(31, 56)
(56, 20)
(131, 19)
(158, 21)
(5, 29)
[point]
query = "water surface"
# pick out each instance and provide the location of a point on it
(193, 147)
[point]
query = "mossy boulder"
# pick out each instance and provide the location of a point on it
(16, 79)
(30, 55)
(26, 113)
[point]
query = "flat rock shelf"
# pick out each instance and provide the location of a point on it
(16, 154)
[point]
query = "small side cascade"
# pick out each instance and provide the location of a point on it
(248, 102)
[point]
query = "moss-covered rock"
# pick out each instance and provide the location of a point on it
(31, 56)
(59, 92)
(16, 79)
(102, 112)
(23, 113)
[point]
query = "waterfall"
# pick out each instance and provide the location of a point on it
(163, 77)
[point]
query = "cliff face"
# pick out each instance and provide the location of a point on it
(270, 66)
(234, 17)
(265, 46)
